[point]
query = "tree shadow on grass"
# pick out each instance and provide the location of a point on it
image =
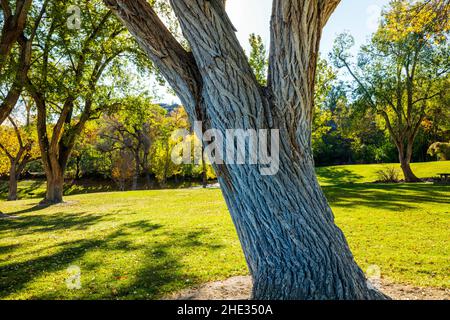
(4, 249)
(33, 208)
(49, 223)
(32, 190)
(15, 276)
(161, 270)
(336, 175)
(387, 196)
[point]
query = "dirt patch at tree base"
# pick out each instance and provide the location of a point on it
(239, 288)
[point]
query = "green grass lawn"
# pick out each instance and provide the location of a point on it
(146, 244)
(368, 172)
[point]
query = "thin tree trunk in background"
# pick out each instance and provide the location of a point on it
(136, 174)
(12, 185)
(146, 169)
(291, 244)
(148, 181)
(78, 168)
(204, 170)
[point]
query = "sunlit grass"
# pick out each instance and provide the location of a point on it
(368, 172)
(146, 244)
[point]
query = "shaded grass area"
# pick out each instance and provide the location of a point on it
(26, 189)
(133, 245)
(35, 189)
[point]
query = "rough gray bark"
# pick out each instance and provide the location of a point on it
(286, 227)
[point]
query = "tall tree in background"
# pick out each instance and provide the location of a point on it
(292, 246)
(258, 58)
(19, 144)
(68, 82)
(404, 67)
(134, 129)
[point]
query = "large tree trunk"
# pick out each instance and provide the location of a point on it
(12, 185)
(292, 246)
(405, 155)
(13, 94)
(407, 171)
(55, 187)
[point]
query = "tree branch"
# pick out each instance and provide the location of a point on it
(13, 27)
(16, 131)
(7, 13)
(296, 30)
(174, 62)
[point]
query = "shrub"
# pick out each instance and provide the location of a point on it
(388, 175)
(441, 150)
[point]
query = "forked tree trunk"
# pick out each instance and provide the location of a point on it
(292, 246)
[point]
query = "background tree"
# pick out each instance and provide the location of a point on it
(86, 160)
(71, 82)
(440, 150)
(258, 58)
(403, 68)
(162, 164)
(134, 129)
(286, 214)
(19, 144)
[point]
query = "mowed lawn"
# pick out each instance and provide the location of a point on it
(145, 244)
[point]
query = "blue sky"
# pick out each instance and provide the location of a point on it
(359, 17)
